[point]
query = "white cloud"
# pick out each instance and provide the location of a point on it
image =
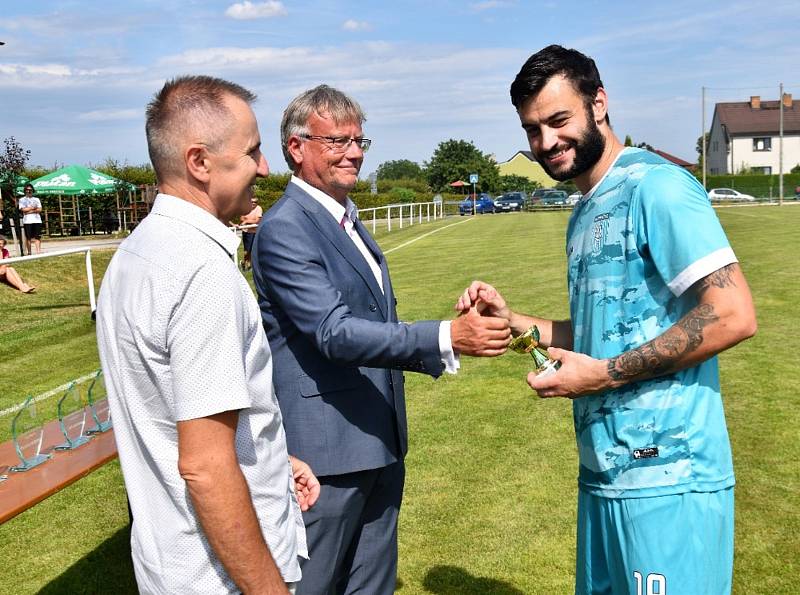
(108, 115)
(54, 75)
(489, 5)
(353, 25)
(261, 10)
(268, 59)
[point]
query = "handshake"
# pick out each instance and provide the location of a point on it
(484, 328)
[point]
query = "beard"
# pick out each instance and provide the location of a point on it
(588, 150)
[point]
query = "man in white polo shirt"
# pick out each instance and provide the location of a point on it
(215, 499)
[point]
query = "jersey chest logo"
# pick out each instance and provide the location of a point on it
(599, 232)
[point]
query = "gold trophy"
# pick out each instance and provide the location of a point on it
(528, 342)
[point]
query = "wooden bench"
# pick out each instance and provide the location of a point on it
(23, 490)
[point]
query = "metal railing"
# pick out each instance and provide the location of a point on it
(401, 214)
(88, 260)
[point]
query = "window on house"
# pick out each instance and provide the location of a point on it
(762, 170)
(763, 143)
(715, 146)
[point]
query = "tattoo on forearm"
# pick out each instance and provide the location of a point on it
(720, 278)
(660, 355)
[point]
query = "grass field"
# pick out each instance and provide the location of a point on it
(490, 499)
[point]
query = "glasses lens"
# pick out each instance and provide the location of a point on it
(365, 143)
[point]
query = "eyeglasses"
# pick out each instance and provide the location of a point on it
(340, 144)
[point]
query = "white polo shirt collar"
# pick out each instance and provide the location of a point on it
(173, 207)
(333, 206)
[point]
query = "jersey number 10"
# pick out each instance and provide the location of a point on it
(654, 584)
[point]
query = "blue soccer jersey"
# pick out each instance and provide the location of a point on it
(635, 244)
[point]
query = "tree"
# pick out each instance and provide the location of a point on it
(796, 169)
(12, 161)
(628, 140)
(12, 164)
(699, 144)
(400, 169)
(699, 148)
(647, 146)
(135, 174)
(456, 160)
(514, 182)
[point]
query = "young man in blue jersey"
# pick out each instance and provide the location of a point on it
(655, 293)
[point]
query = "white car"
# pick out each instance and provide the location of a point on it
(573, 198)
(727, 194)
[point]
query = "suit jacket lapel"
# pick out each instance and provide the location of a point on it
(343, 244)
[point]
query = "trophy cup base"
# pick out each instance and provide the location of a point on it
(100, 428)
(31, 463)
(71, 444)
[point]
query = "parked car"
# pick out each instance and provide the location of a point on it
(536, 195)
(728, 194)
(511, 201)
(554, 197)
(573, 198)
(483, 204)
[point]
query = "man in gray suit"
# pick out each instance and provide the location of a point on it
(329, 312)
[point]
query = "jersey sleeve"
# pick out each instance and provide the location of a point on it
(678, 227)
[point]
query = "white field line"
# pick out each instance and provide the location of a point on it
(49, 393)
(82, 379)
(425, 235)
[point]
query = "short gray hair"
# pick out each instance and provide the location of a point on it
(320, 100)
(189, 109)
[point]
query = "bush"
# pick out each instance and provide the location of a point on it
(399, 194)
(758, 185)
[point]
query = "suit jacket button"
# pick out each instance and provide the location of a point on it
(373, 307)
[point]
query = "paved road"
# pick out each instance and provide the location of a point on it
(82, 242)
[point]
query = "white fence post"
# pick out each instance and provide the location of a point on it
(90, 280)
(374, 217)
(389, 217)
(88, 261)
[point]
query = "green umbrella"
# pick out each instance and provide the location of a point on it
(19, 181)
(76, 179)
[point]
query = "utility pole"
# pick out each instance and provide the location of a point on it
(780, 145)
(703, 136)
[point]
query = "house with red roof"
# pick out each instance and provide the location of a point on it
(745, 135)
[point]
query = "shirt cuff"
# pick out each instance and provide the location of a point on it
(449, 358)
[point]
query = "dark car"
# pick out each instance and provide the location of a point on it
(536, 195)
(554, 197)
(511, 201)
(483, 204)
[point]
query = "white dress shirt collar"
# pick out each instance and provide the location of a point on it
(333, 206)
(173, 207)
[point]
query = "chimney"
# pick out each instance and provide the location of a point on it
(787, 101)
(755, 102)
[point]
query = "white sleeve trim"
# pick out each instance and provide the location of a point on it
(701, 268)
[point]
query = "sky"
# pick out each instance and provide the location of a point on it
(75, 76)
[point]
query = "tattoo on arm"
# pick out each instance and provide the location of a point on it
(660, 355)
(720, 278)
